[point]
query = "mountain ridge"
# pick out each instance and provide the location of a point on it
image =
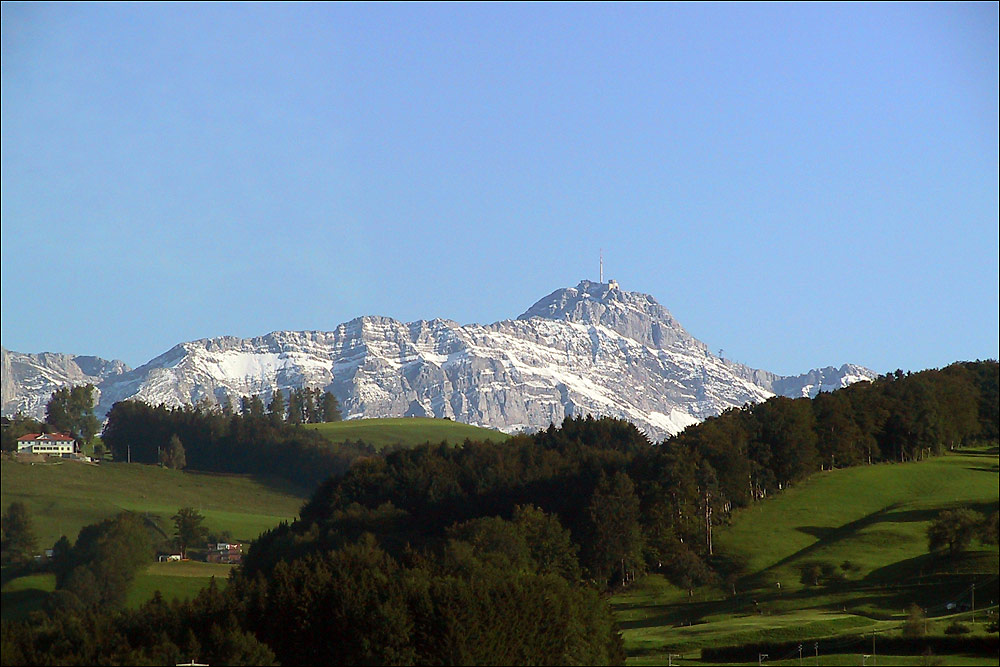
(593, 348)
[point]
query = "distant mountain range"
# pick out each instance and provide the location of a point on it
(593, 348)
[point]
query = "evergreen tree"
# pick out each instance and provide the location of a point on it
(276, 408)
(615, 531)
(309, 408)
(18, 541)
(295, 406)
(190, 530)
(330, 410)
(256, 409)
(62, 554)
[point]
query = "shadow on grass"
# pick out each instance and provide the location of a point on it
(825, 535)
(931, 565)
(273, 483)
(977, 451)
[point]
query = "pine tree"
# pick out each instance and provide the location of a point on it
(309, 405)
(330, 408)
(295, 406)
(276, 408)
(19, 542)
(189, 528)
(616, 534)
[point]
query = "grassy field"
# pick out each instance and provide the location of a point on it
(62, 497)
(174, 580)
(25, 594)
(405, 431)
(178, 579)
(874, 518)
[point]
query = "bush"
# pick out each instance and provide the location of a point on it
(957, 628)
(810, 574)
(916, 622)
(816, 572)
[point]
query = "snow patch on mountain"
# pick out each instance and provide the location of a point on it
(29, 380)
(592, 349)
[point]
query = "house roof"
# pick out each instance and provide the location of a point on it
(45, 437)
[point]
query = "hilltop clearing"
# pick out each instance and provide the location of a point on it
(404, 431)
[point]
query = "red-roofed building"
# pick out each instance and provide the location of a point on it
(223, 552)
(46, 443)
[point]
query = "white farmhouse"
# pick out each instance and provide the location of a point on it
(46, 443)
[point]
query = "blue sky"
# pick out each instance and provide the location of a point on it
(801, 185)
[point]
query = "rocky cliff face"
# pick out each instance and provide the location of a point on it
(590, 349)
(29, 379)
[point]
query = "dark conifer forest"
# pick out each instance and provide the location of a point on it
(489, 553)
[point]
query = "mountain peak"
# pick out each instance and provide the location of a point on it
(634, 314)
(590, 349)
(566, 300)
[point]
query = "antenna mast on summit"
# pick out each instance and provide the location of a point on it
(602, 265)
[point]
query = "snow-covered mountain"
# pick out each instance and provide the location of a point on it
(590, 349)
(29, 379)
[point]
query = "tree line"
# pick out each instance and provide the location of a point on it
(69, 410)
(254, 440)
(631, 506)
(501, 552)
(495, 591)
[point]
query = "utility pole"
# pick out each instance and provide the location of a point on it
(816, 647)
(761, 657)
(973, 604)
(708, 521)
(800, 654)
(874, 659)
(602, 265)
(670, 658)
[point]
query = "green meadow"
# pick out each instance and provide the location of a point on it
(25, 594)
(65, 496)
(405, 431)
(869, 525)
(176, 580)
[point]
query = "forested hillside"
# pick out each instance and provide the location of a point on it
(498, 552)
